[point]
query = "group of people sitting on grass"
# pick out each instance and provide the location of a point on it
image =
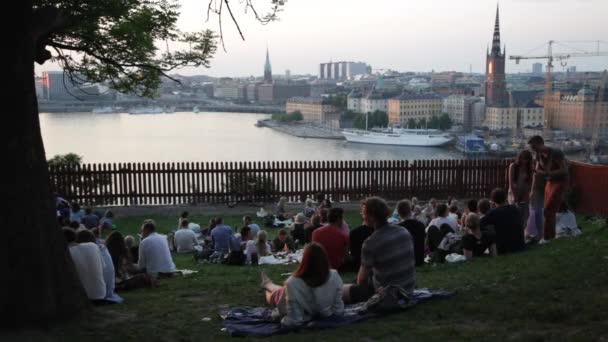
(383, 251)
(105, 260)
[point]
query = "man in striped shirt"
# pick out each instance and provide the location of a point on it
(387, 256)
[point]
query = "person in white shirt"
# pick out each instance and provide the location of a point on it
(109, 274)
(255, 229)
(453, 212)
(185, 238)
(154, 253)
(89, 265)
(442, 217)
(440, 226)
(314, 290)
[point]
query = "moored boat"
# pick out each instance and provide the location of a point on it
(399, 137)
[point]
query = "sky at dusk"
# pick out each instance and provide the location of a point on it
(404, 35)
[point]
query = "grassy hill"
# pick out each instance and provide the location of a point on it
(557, 291)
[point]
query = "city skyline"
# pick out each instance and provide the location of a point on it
(398, 36)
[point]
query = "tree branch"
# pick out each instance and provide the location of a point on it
(234, 20)
(121, 66)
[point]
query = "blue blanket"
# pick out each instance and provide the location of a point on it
(256, 322)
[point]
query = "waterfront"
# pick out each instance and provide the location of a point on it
(201, 136)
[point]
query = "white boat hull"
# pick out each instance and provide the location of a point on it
(397, 139)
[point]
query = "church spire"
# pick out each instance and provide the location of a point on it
(267, 69)
(496, 39)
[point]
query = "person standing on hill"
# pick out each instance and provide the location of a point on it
(521, 174)
(553, 167)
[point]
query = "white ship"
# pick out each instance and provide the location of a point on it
(147, 110)
(399, 137)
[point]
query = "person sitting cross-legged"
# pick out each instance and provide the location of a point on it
(90, 220)
(255, 228)
(333, 238)
(440, 226)
(185, 238)
(297, 229)
(88, 262)
(86, 236)
(127, 275)
(283, 242)
(356, 238)
(154, 254)
(505, 221)
(414, 227)
(475, 242)
(257, 248)
(313, 290)
(387, 256)
(221, 236)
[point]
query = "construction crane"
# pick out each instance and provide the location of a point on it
(551, 57)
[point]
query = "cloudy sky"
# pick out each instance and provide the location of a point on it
(403, 35)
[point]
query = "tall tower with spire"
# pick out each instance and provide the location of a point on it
(496, 84)
(267, 69)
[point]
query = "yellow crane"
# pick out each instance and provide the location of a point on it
(551, 57)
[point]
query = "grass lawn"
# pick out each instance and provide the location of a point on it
(553, 292)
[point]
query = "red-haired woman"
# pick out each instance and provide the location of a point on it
(313, 290)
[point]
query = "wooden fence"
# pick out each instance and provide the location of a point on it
(589, 185)
(265, 182)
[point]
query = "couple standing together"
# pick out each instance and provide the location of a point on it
(540, 183)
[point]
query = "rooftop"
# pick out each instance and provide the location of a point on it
(310, 100)
(417, 96)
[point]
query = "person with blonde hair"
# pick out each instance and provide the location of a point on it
(475, 242)
(258, 247)
(297, 229)
(309, 208)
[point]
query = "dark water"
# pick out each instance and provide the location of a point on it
(201, 137)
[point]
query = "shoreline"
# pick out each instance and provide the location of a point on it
(301, 130)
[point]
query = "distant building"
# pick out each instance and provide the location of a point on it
(233, 91)
(447, 77)
(320, 88)
(252, 91)
(478, 115)
(368, 102)
(341, 70)
(576, 113)
(537, 68)
(59, 87)
(498, 118)
(281, 92)
(413, 106)
(496, 84)
(267, 69)
(572, 69)
(314, 110)
(461, 110)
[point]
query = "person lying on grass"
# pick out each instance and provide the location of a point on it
(313, 290)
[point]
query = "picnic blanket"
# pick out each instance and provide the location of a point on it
(282, 258)
(257, 321)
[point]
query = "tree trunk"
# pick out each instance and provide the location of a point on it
(39, 282)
